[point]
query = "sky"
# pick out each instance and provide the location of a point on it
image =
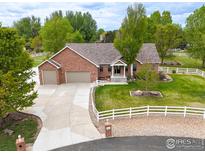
(108, 16)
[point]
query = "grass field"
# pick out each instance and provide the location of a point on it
(184, 90)
(185, 60)
(27, 128)
(38, 60)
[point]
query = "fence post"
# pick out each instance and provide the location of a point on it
(204, 114)
(98, 118)
(167, 69)
(197, 71)
(187, 70)
(113, 114)
(185, 111)
(177, 70)
(165, 113)
(130, 112)
(148, 110)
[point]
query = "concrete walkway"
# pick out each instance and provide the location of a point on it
(64, 112)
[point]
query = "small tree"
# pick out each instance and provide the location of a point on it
(165, 38)
(147, 76)
(36, 44)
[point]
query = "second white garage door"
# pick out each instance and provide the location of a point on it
(77, 77)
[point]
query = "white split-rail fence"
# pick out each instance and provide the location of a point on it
(146, 110)
(150, 110)
(178, 70)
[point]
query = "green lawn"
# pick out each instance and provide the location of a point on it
(27, 128)
(38, 60)
(183, 90)
(185, 61)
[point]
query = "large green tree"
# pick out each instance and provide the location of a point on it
(165, 39)
(129, 38)
(152, 22)
(58, 13)
(166, 18)
(28, 27)
(84, 23)
(195, 34)
(16, 87)
(54, 33)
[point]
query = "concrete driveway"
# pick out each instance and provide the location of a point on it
(64, 112)
(139, 143)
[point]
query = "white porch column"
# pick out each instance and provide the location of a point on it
(112, 71)
(124, 71)
(131, 70)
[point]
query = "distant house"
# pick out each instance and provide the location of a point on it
(88, 62)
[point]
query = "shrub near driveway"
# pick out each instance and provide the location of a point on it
(184, 90)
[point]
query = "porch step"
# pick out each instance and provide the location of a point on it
(118, 79)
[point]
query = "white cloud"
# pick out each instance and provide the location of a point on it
(107, 15)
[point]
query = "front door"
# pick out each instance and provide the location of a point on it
(117, 70)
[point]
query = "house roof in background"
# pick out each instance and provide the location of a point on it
(148, 54)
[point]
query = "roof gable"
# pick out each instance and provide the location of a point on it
(148, 54)
(52, 62)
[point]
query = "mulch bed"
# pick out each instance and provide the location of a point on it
(146, 93)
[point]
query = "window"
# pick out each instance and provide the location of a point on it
(109, 68)
(134, 67)
(101, 69)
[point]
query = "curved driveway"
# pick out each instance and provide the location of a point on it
(64, 112)
(138, 143)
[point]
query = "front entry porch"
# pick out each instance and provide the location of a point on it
(119, 72)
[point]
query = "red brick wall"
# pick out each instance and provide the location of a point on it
(105, 74)
(71, 61)
(48, 67)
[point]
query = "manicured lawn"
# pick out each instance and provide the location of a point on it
(186, 61)
(184, 90)
(27, 128)
(38, 60)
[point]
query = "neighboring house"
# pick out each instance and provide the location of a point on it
(88, 62)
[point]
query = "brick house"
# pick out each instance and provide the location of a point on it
(88, 62)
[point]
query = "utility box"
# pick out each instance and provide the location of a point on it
(108, 129)
(20, 144)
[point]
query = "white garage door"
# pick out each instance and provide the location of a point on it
(77, 77)
(49, 77)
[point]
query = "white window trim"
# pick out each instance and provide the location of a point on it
(114, 63)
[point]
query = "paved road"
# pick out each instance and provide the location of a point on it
(138, 143)
(64, 113)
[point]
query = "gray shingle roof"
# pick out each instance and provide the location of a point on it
(99, 53)
(106, 53)
(148, 54)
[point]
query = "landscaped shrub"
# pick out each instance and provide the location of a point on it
(173, 71)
